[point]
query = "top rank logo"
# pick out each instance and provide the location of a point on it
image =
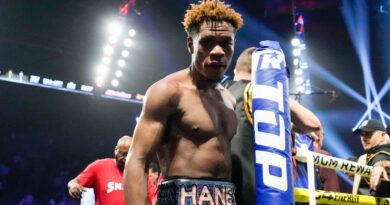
(270, 60)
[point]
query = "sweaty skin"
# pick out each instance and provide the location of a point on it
(187, 117)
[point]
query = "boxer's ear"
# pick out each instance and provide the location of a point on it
(190, 44)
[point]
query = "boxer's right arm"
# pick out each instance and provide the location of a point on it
(146, 139)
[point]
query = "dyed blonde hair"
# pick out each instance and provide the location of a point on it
(210, 10)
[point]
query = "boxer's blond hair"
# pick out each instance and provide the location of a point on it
(210, 10)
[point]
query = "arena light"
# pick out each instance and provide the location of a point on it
(128, 42)
(118, 73)
(307, 92)
(108, 49)
(125, 53)
(298, 72)
(115, 28)
(34, 79)
(106, 60)
(299, 80)
(71, 85)
(121, 63)
(139, 96)
(295, 42)
(86, 88)
(303, 65)
(132, 32)
(112, 39)
(297, 52)
(296, 61)
(115, 83)
(102, 70)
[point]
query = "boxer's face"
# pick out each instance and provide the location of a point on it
(212, 49)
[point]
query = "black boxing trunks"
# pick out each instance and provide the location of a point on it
(184, 191)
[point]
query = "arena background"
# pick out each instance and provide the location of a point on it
(47, 136)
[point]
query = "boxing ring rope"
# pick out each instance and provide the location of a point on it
(334, 163)
(313, 196)
(328, 197)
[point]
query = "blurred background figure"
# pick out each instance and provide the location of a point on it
(327, 179)
(105, 176)
(154, 179)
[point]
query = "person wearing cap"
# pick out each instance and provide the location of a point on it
(375, 143)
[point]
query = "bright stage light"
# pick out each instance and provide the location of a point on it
(295, 42)
(297, 52)
(125, 53)
(300, 89)
(132, 32)
(128, 42)
(298, 71)
(299, 80)
(121, 63)
(106, 60)
(296, 61)
(112, 40)
(108, 50)
(71, 85)
(118, 73)
(115, 28)
(102, 70)
(34, 79)
(115, 82)
(307, 92)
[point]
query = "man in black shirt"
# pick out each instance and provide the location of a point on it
(242, 144)
(373, 137)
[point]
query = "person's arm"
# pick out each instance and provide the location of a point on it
(85, 179)
(378, 171)
(304, 120)
(75, 189)
(158, 105)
